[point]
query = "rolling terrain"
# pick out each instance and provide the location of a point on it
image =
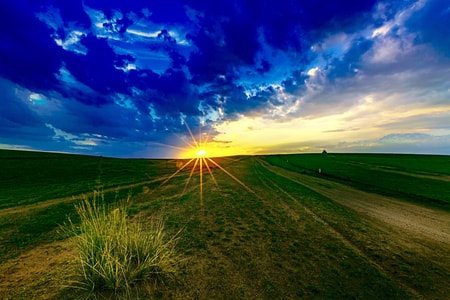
(364, 226)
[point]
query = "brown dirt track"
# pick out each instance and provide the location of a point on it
(408, 227)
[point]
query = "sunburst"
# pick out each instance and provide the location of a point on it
(204, 163)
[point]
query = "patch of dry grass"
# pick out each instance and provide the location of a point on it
(115, 253)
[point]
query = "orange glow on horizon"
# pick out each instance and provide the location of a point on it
(199, 155)
(210, 149)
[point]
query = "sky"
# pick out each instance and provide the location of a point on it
(134, 78)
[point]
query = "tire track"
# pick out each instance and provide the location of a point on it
(428, 223)
(333, 231)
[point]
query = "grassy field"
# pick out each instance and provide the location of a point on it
(422, 178)
(281, 231)
(29, 177)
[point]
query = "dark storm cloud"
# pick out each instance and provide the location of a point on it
(97, 69)
(229, 31)
(29, 55)
(160, 11)
(169, 93)
(285, 23)
(11, 105)
(227, 38)
(234, 101)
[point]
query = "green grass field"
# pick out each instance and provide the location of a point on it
(282, 231)
(413, 177)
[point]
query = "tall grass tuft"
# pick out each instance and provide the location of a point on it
(115, 253)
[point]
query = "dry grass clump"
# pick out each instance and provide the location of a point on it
(115, 253)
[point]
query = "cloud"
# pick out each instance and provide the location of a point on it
(29, 55)
(399, 143)
(414, 143)
(17, 119)
(226, 39)
(130, 71)
(432, 119)
(432, 22)
(98, 69)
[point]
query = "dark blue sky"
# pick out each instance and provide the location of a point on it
(120, 78)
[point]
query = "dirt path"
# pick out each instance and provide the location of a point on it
(39, 271)
(412, 236)
(432, 224)
(331, 229)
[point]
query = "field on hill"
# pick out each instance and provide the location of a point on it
(365, 226)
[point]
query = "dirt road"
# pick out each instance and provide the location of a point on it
(409, 243)
(414, 219)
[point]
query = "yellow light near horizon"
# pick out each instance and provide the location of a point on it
(205, 164)
(210, 150)
(201, 152)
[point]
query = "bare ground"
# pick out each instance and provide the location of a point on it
(38, 273)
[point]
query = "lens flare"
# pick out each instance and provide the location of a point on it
(202, 164)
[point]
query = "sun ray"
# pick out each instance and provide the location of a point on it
(231, 175)
(190, 176)
(202, 160)
(189, 144)
(166, 145)
(178, 171)
(200, 142)
(208, 134)
(190, 132)
(210, 172)
(201, 181)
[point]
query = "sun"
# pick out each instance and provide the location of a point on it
(202, 153)
(203, 163)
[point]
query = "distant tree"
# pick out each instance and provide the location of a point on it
(324, 151)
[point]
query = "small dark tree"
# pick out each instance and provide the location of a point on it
(324, 151)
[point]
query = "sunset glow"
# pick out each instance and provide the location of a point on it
(201, 153)
(202, 164)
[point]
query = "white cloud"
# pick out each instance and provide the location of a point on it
(72, 42)
(398, 143)
(72, 35)
(313, 72)
(82, 140)
(145, 34)
(387, 50)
